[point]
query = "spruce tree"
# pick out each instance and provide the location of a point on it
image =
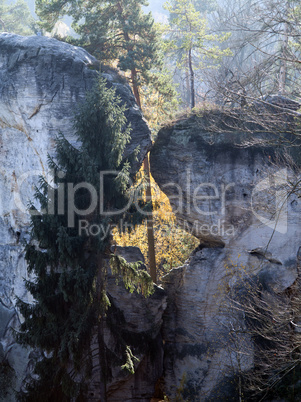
(70, 251)
(119, 32)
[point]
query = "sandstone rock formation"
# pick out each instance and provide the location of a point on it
(230, 189)
(227, 186)
(139, 321)
(42, 81)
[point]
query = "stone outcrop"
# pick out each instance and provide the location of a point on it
(42, 81)
(139, 321)
(230, 189)
(227, 186)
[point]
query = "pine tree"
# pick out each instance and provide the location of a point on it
(118, 33)
(113, 31)
(69, 254)
(190, 41)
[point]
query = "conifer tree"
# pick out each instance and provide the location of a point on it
(190, 42)
(113, 31)
(118, 32)
(69, 254)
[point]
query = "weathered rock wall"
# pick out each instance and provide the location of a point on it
(226, 186)
(42, 81)
(230, 189)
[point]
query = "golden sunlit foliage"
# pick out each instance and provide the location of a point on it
(172, 244)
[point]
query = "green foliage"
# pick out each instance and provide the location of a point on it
(188, 29)
(15, 17)
(159, 97)
(68, 264)
(189, 41)
(118, 32)
(134, 278)
(110, 30)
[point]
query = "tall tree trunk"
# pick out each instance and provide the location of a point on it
(150, 220)
(135, 87)
(187, 84)
(192, 90)
(283, 67)
(150, 226)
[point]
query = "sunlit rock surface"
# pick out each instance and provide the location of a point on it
(229, 188)
(42, 81)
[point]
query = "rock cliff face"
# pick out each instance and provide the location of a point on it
(229, 188)
(42, 81)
